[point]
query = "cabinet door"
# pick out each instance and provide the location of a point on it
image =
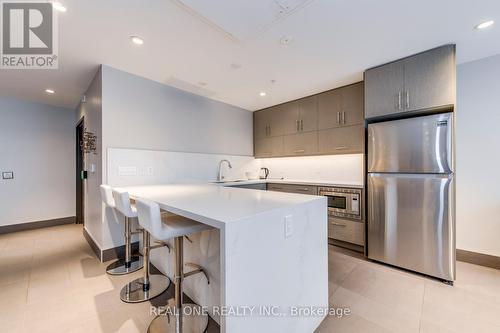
(430, 79)
(308, 114)
(352, 104)
(384, 87)
(276, 125)
(329, 108)
(261, 121)
(301, 144)
(269, 147)
(342, 140)
(289, 117)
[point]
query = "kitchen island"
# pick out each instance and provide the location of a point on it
(266, 256)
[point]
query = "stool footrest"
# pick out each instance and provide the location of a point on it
(160, 244)
(197, 270)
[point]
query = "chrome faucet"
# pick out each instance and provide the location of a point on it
(220, 177)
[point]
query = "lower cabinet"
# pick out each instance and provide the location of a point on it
(269, 147)
(346, 231)
(301, 144)
(291, 188)
(342, 140)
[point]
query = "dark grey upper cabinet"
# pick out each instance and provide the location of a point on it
(290, 117)
(383, 89)
(352, 104)
(269, 122)
(423, 81)
(329, 109)
(430, 79)
(341, 107)
(308, 114)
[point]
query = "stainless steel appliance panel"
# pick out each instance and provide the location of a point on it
(411, 222)
(413, 145)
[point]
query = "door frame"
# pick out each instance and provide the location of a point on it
(79, 160)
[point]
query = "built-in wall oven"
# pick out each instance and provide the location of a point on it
(345, 218)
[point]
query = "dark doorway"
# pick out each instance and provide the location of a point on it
(79, 171)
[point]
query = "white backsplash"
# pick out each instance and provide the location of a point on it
(128, 167)
(345, 169)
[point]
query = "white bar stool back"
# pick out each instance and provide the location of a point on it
(164, 227)
(150, 285)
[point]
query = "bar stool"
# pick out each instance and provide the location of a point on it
(150, 285)
(130, 263)
(165, 227)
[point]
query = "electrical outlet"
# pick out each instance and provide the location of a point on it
(288, 226)
(149, 171)
(8, 175)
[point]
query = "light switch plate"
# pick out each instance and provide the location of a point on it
(8, 175)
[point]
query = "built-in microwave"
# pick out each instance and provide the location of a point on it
(343, 202)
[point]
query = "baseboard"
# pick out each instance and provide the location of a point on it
(93, 245)
(118, 252)
(478, 258)
(37, 225)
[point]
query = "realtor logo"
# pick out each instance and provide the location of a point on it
(28, 35)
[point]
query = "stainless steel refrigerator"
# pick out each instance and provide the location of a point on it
(411, 197)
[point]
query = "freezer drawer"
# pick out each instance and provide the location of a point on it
(414, 145)
(411, 222)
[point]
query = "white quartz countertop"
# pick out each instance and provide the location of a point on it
(316, 182)
(216, 205)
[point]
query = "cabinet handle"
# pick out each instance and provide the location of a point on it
(407, 99)
(269, 130)
(339, 225)
(343, 117)
(298, 125)
(301, 124)
(298, 151)
(399, 100)
(338, 117)
(340, 148)
(305, 189)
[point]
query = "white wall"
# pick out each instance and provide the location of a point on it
(91, 112)
(143, 114)
(478, 157)
(37, 143)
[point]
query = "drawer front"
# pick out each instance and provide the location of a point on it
(260, 186)
(347, 231)
(300, 189)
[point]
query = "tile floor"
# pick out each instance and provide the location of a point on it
(50, 281)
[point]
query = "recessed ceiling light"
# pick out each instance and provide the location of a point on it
(137, 40)
(262, 94)
(49, 91)
(59, 6)
(484, 25)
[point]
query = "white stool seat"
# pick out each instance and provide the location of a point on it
(167, 225)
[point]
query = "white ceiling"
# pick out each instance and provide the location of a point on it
(333, 42)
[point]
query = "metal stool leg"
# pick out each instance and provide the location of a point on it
(148, 286)
(186, 317)
(130, 263)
